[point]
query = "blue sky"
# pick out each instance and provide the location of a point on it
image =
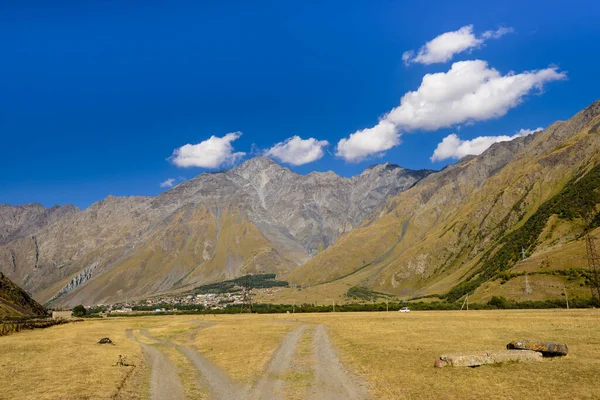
(96, 96)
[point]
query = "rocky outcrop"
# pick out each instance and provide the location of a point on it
(79, 280)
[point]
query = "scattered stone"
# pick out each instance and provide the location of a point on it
(547, 349)
(487, 357)
(105, 341)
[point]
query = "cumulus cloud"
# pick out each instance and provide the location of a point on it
(168, 183)
(442, 48)
(298, 151)
(453, 147)
(470, 91)
(369, 142)
(527, 132)
(211, 153)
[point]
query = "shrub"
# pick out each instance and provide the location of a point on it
(498, 302)
(79, 311)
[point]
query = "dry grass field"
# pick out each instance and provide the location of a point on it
(391, 354)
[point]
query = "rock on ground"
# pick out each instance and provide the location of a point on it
(487, 357)
(548, 349)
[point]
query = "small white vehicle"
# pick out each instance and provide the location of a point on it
(404, 309)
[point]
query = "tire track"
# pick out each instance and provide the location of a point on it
(220, 386)
(270, 386)
(332, 381)
(164, 378)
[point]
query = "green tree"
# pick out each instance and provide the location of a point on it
(498, 302)
(79, 311)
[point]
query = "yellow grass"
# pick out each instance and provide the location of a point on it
(187, 373)
(393, 352)
(542, 287)
(65, 362)
(242, 345)
(298, 380)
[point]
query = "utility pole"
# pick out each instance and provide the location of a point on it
(593, 266)
(566, 298)
(466, 302)
(247, 295)
(333, 302)
(527, 287)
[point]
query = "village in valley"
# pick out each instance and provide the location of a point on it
(213, 301)
(216, 296)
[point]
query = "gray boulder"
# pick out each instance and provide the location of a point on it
(547, 349)
(487, 357)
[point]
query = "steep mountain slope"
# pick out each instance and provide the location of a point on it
(15, 302)
(453, 225)
(256, 217)
(20, 221)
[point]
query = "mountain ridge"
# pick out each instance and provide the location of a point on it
(258, 216)
(432, 237)
(389, 229)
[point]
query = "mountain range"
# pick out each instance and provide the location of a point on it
(488, 224)
(257, 217)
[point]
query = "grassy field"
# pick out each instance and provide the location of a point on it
(65, 362)
(394, 353)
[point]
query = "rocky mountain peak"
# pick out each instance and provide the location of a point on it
(379, 168)
(257, 164)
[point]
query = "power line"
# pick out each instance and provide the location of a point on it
(246, 292)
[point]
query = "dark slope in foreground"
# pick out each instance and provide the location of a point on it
(15, 302)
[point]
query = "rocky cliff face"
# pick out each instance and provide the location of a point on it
(256, 217)
(20, 221)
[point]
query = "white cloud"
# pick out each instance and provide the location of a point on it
(498, 33)
(443, 47)
(297, 151)
(527, 132)
(369, 142)
(211, 153)
(468, 92)
(453, 147)
(168, 183)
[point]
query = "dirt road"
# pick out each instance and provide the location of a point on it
(271, 384)
(331, 380)
(220, 386)
(164, 378)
